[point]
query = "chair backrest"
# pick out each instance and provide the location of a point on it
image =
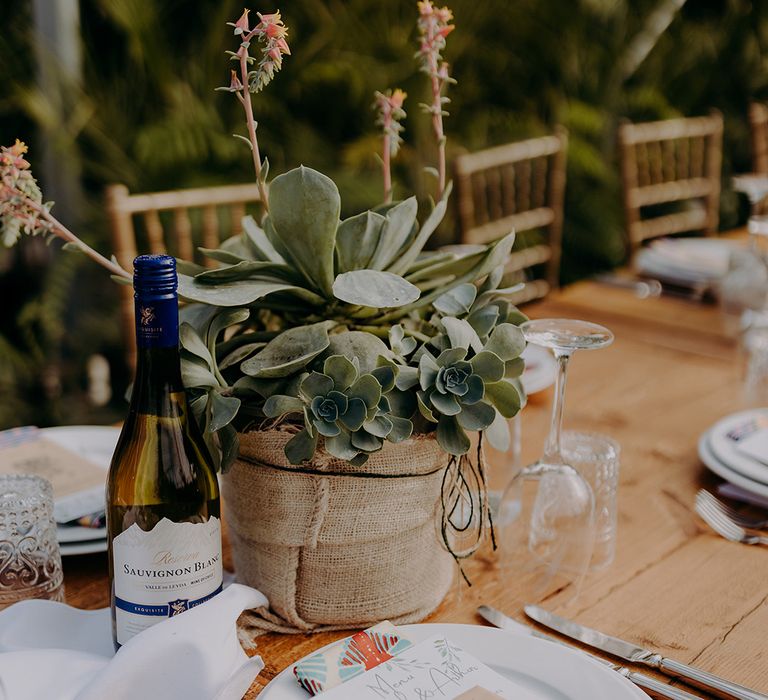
(758, 127)
(174, 222)
(519, 186)
(672, 161)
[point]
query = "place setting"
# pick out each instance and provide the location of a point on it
(311, 382)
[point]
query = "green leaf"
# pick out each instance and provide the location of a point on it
(451, 356)
(365, 347)
(445, 403)
(498, 433)
(340, 370)
(316, 384)
(400, 222)
(374, 288)
(406, 378)
(288, 352)
(229, 445)
(461, 334)
(425, 410)
(223, 256)
(240, 293)
(356, 240)
(403, 261)
(257, 240)
(367, 389)
(279, 405)
(224, 319)
(341, 446)
(355, 415)
(507, 341)
(451, 436)
(191, 342)
(365, 441)
(505, 397)
(247, 269)
(476, 391)
(385, 375)
(488, 366)
(223, 410)
(483, 320)
(401, 429)
(477, 416)
(514, 368)
(428, 370)
(301, 447)
(195, 375)
(457, 301)
(380, 426)
(304, 208)
(326, 428)
(239, 354)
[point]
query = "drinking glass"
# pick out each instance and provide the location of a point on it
(596, 458)
(30, 560)
(547, 511)
(755, 346)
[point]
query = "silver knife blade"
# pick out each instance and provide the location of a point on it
(659, 689)
(598, 640)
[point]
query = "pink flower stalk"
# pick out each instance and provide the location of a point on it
(271, 33)
(391, 112)
(22, 210)
(434, 25)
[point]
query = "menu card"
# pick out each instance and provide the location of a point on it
(78, 485)
(435, 668)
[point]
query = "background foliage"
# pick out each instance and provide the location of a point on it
(146, 115)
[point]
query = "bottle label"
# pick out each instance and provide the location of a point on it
(157, 322)
(163, 572)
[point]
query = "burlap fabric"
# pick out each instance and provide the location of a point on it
(334, 546)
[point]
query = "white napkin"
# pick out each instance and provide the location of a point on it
(50, 650)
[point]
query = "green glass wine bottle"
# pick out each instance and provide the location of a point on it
(163, 509)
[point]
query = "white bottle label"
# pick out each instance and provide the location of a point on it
(163, 572)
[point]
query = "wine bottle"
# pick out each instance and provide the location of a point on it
(163, 509)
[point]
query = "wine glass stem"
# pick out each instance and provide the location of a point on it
(552, 454)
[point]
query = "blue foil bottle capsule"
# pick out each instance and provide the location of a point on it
(156, 301)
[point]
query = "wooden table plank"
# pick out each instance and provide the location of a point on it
(674, 585)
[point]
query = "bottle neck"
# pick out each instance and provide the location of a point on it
(158, 367)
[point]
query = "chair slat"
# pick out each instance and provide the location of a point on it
(758, 127)
(237, 212)
(154, 231)
(182, 231)
(210, 223)
(516, 187)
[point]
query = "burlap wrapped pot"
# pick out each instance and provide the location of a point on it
(335, 546)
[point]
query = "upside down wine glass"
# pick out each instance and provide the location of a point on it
(547, 515)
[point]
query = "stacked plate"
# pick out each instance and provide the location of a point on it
(736, 448)
(96, 444)
(687, 262)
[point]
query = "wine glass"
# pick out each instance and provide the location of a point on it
(547, 520)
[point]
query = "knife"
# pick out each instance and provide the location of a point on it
(502, 621)
(636, 654)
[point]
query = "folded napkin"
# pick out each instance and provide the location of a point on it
(51, 650)
(739, 494)
(350, 657)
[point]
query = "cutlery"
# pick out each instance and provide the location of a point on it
(643, 289)
(749, 522)
(502, 621)
(723, 525)
(636, 654)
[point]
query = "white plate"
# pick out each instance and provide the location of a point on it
(95, 443)
(715, 465)
(723, 444)
(540, 369)
(68, 550)
(549, 671)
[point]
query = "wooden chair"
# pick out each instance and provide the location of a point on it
(675, 161)
(193, 217)
(519, 186)
(758, 127)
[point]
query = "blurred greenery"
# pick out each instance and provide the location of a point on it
(146, 115)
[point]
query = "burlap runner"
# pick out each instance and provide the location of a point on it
(344, 546)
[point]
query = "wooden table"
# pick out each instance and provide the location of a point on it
(675, 586)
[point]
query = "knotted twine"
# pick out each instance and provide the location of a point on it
(334, 546)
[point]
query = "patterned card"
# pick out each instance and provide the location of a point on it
(436, 668)
(350, 657)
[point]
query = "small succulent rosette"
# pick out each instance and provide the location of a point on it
(350, 657)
